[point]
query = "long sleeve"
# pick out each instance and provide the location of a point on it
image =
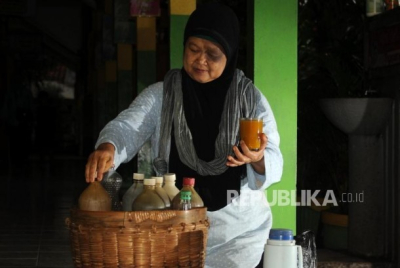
(134, 126)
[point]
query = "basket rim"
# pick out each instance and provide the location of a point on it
(131, 219)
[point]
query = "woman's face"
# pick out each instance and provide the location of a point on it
(204, 61)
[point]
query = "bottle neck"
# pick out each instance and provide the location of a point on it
(149, 187)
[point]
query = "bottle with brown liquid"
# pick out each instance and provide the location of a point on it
(161, 192)
(148, 199)
(169, 185)
(95, 198)
(133, 192)
(188, 185)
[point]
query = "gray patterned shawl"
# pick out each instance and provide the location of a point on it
(240, 102)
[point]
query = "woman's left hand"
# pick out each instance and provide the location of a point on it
(246, 156)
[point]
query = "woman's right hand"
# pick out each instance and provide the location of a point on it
(99, 162)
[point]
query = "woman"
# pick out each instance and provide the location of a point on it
(192, 120)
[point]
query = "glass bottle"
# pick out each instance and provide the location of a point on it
(161, 192)
(186, 197)
(169, 186)
(112, 183)
(148, 199)
(133, 192)
(188, 185)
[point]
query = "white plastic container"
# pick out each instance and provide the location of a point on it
(281, 250)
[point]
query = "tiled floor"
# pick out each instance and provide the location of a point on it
(34, 206)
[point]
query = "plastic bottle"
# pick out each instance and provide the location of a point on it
(186, 197)
(188, 185)
(161, 192)
(112, 183)
(148, 199)
(170, 186)
(133, 192)
(95, 198)
(281, 250)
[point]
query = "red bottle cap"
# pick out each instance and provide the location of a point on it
(188, 181)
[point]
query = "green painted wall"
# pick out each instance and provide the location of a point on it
(177, 28)
(275, 74)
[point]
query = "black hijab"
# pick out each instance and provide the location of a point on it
(203, 103)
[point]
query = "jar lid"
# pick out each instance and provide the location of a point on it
(158, 179)
(188, 181)
(281, 234)
(170, 177)
(138, 176)
(185, 195)
(149, 182)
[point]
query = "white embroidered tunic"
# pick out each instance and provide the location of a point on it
(238, 231)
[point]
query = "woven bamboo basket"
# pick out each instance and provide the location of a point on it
(168, 238)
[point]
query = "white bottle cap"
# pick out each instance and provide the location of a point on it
(138, 176)
(158, 179)
(149, 182)
(170, 177)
